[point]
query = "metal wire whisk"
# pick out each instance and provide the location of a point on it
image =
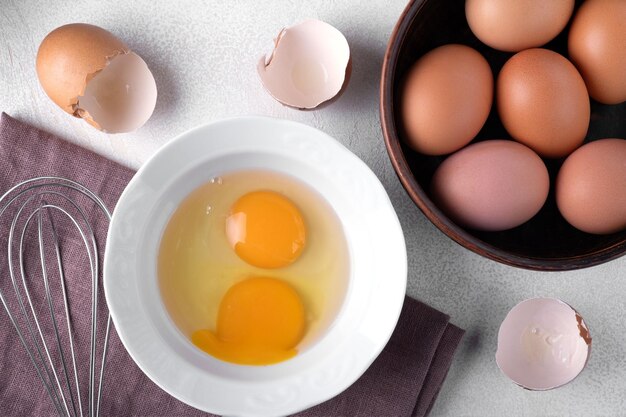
(34, 208)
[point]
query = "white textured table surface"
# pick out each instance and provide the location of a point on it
(203, 56)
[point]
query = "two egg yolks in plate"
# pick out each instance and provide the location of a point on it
(260, 319)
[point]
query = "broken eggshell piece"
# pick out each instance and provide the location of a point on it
(121, 97)
(92, 74)
(308, 66)
(543, 343)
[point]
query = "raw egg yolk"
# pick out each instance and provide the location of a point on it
(266, 229)
(260, 321)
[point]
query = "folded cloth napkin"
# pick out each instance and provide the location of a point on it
(403, 381)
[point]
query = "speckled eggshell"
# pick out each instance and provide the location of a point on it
(491, 185)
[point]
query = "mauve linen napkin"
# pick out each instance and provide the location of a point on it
(403, 381)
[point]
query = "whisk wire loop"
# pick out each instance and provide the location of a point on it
(40, 199)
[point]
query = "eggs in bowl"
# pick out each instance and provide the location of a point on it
(326, 364)
(253, 275)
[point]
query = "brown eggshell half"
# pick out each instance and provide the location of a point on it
(69, 56)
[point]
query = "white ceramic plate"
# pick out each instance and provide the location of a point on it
(377, 268)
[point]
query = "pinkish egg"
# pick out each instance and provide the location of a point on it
(491, 185)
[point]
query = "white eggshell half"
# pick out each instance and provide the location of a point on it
(542, 344)
(307, 66)
(121, 97)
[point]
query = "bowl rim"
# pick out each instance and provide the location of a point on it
(423, 201)
(281, 393)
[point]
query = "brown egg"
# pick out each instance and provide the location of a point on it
(446, 99)
(491, 185)
(597, 45)
(91, 74)
(591, 187)
(543, 103)
(514, 25)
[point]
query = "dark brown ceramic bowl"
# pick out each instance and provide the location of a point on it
(546, 242)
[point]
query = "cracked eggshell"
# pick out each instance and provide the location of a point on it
(90, 73)
(310, 65)
(543, 343)
(121, 97)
